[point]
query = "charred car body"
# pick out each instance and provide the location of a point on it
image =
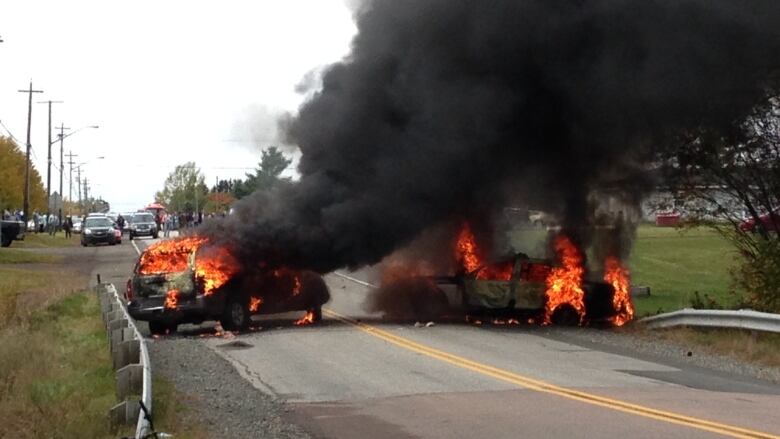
(518, 288)
(191, 288)
(559, 291)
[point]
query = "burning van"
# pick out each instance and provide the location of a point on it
(188, 281)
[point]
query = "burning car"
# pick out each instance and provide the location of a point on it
(519, 287)
(188, 281)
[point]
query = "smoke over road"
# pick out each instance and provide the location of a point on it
(446, 109)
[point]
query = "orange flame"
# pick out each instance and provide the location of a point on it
(468, 253)
(168, 256)
(564, 283)
(214, 268)
(171, 299)
(254, 303)
(308, 319)
(617, 276)
(296, 285)
(466, 249)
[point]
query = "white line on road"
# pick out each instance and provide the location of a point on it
(136, 248)
(357, 281)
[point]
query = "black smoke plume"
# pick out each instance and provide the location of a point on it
(444, 109)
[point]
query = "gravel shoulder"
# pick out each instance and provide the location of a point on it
(221, 399)
(643, 344)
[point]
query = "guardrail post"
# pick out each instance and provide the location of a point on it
(124, 413)
(128, 352)
(129, 381)
(130, 359)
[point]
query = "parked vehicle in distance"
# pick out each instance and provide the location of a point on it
(11, 230)
(77, 224)
(767, 221)
(143, 224)
(98, 229)
(128, 216)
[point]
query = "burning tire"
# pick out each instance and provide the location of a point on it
(565, 315)
(236, 316)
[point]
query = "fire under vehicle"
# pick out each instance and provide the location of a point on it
(184, 281)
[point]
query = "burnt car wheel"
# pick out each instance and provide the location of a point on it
(565, 315)
(162, 328)
(236, 315)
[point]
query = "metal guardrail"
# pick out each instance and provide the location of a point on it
(130, 356)
(740, 319)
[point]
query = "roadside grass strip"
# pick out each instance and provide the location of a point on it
(15, 256)
(542, 386)
(56, 378)
(42, 240)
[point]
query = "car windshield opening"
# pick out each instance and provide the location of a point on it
(145, 218)
(98, 222)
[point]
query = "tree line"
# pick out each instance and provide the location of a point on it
(12, 179)
(185, 189)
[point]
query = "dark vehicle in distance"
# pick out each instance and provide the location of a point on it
(97, 229)
(10, 231)
(143, 224)
(149, 299)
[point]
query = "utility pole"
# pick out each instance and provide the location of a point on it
(61, 135)
(48, 165)
(78, 182)
(70, 180)
(86, 196)
(26, 208)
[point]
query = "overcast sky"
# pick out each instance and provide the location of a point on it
(166, 81)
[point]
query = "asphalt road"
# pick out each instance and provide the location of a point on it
(356, 376)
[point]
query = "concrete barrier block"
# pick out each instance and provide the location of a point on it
(129, 381)
(128, 352)
(119, 335)
(124, 413)
(103, 298)
(113, 315)
(118, 323)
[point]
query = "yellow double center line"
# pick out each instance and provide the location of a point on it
(541, 386)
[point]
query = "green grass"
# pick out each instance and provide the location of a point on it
(676, 263)
(56, 378)
(16, 256)
(41, 240)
